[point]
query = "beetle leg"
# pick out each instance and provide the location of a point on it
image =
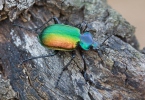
(84, 73)
(83, 58)
(100, 54)
(65, 67)
(56, 21)
(85, 28)
(35, 29)
(50, 55)
(98, 50)
(82, 27)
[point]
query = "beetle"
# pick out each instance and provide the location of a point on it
(65, 38)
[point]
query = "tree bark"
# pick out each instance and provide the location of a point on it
(120, 76)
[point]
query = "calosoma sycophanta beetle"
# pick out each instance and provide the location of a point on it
(65, 38)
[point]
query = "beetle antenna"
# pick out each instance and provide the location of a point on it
(106, 39)
(112, 32)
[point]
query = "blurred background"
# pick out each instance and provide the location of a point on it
(134, 12)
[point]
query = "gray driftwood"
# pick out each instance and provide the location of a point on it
(121, 77)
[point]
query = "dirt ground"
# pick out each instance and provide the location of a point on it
(134, 12)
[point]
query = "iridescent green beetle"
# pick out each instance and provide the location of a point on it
(64, 37)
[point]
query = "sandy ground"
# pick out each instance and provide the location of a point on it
(134, 12)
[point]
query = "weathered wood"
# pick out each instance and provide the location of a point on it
(120, 78)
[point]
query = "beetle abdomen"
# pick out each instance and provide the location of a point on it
(60, 37)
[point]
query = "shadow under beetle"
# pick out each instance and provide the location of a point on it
(65, 38)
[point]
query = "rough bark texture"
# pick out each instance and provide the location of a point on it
(122, 77)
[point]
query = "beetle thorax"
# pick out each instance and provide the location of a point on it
(86, 41)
